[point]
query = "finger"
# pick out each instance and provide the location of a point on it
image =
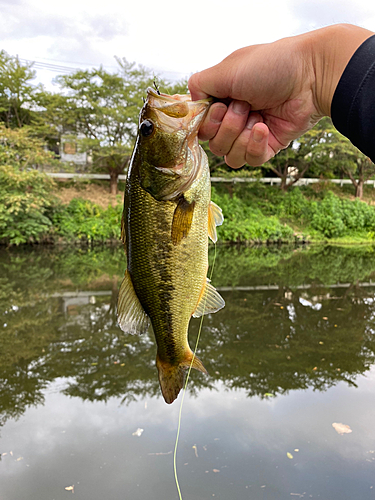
(212, 121)
(236, 157)
(230, 128)
(195, 88)
(214, 81)
(258, 149)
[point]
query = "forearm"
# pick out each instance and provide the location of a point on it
(330, 49)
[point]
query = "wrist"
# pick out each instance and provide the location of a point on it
(330, 49)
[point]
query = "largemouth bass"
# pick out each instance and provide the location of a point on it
(166, 222)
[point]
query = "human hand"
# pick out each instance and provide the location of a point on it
(276, 92)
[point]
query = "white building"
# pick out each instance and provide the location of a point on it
(69, 153)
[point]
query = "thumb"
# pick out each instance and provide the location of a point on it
(209, 82)
(195, 89)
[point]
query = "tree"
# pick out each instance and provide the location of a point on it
(303, 154)
(325, 152)
(292, 163)
(17, 93)
(104, 107)
(365, 169)
(22, 149)
(336, 153)
(25, 193)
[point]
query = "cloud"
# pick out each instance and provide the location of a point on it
(311, 15)
(33, 31)
(35, 23)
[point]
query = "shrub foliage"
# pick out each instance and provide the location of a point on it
(30, 214)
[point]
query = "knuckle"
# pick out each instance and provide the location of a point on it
(218, 150)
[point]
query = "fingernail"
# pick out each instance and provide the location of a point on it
(240, 107)
(258, 135)
(251, 121)
(217, 114)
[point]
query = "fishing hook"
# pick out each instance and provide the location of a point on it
(156, 88)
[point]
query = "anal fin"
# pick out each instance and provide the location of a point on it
(215, 218)
(131, 316)
(210, 301)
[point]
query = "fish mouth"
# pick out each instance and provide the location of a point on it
(176, 97)
(176, 111)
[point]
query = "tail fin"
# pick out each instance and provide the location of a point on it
(171, 377)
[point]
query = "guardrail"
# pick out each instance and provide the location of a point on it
(265, 180)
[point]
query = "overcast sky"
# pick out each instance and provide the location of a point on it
(173, 38)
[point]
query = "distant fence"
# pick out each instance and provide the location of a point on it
(257, 288)
(265, 180)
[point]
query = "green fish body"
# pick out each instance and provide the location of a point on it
(167, 219)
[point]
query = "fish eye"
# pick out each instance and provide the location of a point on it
(146, 128)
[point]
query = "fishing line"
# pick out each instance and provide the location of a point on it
(185, 386)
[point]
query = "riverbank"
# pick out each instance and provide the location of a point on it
(43, 211)
(253, 214)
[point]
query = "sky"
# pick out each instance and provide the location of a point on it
(172, 38)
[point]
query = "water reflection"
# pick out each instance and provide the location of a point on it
(294, 319)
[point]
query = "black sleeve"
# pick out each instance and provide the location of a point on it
(353, 103)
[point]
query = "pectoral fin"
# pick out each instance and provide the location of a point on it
(210, 301)
(130, 314)
(182, 219)
(215, 218)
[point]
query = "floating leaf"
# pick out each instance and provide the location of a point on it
(70, 488)
(341, 428)
(138, 432)
(289, 455)
(161, 453)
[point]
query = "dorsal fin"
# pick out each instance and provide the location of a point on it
(210, 301)
(215, 218)
(182, 220)
(130, 314)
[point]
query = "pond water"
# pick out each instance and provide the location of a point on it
(291, 354)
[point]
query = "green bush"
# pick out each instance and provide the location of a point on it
(258, 212)
(358, 215)
(86, 221)
(247, 223)
(294, 205)
(25, 197)
(335, 217)
(327, 216)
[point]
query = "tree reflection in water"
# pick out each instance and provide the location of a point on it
(294, 318)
